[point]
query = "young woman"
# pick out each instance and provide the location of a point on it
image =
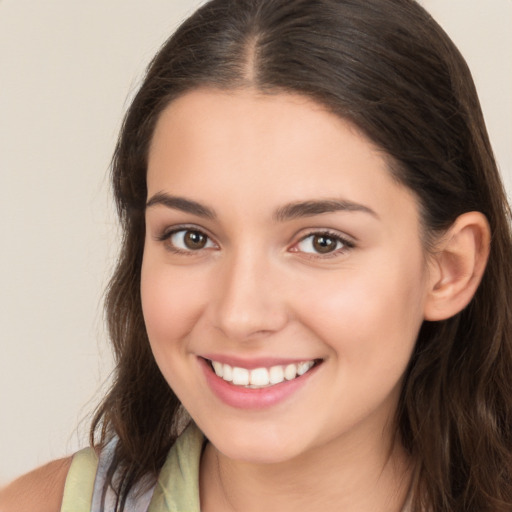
(312, 305)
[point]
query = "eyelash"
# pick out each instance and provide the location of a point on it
(346, 244)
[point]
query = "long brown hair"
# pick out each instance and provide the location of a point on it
(387, 67)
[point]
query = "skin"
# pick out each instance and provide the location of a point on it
(259, 289)
(40, 490)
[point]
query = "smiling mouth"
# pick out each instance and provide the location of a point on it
(258, 378)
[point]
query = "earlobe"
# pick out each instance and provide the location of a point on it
(457, 266)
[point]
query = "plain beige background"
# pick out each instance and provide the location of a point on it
(67, 71)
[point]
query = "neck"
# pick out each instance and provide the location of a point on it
(343, 474)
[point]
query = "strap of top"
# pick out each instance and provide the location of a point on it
(80, 482)
(177, 488)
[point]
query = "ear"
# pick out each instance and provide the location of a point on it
(457, 266)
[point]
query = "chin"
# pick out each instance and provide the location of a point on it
(257, 454)
(257, 448)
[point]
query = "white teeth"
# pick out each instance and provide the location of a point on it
(302, 368)
(260, 377)
(276, 374)
(290, 372)
(240, 376)
(227, 372)
(218, 368)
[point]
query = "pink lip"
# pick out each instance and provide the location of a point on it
(246, 398)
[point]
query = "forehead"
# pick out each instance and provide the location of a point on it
(240, 144)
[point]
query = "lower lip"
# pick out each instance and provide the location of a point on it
(247, 398)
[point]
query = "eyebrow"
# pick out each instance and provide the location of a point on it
(182, 204)
(284, 213)
(310, 208)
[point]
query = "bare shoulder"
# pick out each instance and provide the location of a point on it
(40, 490)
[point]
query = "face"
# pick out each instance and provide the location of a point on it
(283, 278)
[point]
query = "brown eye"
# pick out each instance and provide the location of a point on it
(186, 240)
(195, 240)
(324, 243)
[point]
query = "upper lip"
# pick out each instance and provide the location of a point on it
(257, 362)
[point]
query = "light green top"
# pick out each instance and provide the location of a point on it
(177, 488)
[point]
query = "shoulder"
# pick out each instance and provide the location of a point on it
(40, 490)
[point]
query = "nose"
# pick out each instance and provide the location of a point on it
(250, 298)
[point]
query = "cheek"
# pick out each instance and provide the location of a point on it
(368, 314)
(170, 303)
